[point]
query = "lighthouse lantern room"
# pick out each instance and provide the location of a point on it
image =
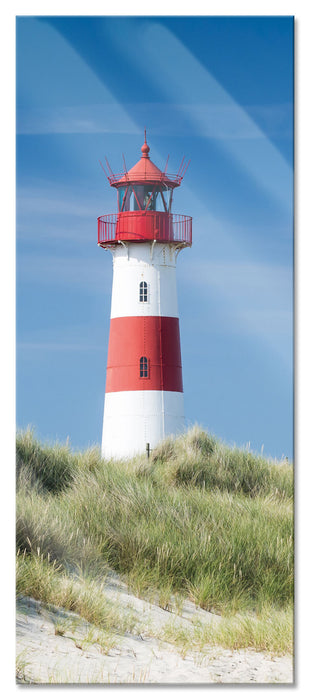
(144, 389)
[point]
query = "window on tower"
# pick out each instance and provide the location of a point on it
(143, 291)
(144, 367)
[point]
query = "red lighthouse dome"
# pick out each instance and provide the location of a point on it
(144, 170)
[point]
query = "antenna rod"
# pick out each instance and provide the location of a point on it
(104, 170)
(108, 164)
(184, 171)
(166, 165)
(125, 166)
(178, 173)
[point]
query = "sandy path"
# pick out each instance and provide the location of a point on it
(46, 657)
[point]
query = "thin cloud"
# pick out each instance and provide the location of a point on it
(83, 273)
(42, 201)
(91, 119)
(219, 121)
(65, 80)
(257, 299)
(58, 212)
(58, 347)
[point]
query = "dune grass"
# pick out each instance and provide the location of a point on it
(270, 630)
(198, 519)
(48, 582)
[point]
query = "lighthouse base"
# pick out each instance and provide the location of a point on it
(134, 418)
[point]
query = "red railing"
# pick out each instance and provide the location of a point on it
(144, 226)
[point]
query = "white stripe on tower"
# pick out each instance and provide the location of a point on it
(155, 264)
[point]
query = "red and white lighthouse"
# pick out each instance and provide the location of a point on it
(144, 389)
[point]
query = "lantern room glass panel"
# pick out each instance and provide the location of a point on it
(145, 198)
(125, 196)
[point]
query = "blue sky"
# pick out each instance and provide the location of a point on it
(217, 90)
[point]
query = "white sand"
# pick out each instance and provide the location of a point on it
(46, 657)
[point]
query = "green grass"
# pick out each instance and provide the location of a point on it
(198, 459)
(52, 467)
(197, 519)
(48, 582)
(271, 630)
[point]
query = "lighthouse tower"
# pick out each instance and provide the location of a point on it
(144, 389)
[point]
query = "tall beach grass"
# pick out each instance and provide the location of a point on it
(197, 519)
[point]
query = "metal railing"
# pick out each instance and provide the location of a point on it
(144, 226)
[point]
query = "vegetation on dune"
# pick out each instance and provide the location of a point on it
(48, 582)
(198, 459)
(197, 519)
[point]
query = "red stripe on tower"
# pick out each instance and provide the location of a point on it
(156, 338)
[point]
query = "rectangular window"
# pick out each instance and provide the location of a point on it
(144, 367)
(143, 291)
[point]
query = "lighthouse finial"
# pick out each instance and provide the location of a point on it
(145, 148)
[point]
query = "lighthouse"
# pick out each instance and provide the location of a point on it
(144, 388)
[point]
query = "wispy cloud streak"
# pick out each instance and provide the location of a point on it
(220, 121)
(257, 298)
(184, 80)
(108, 118)
(59, 87)
(58, 347)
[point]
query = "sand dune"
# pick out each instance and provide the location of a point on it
(57, 646)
